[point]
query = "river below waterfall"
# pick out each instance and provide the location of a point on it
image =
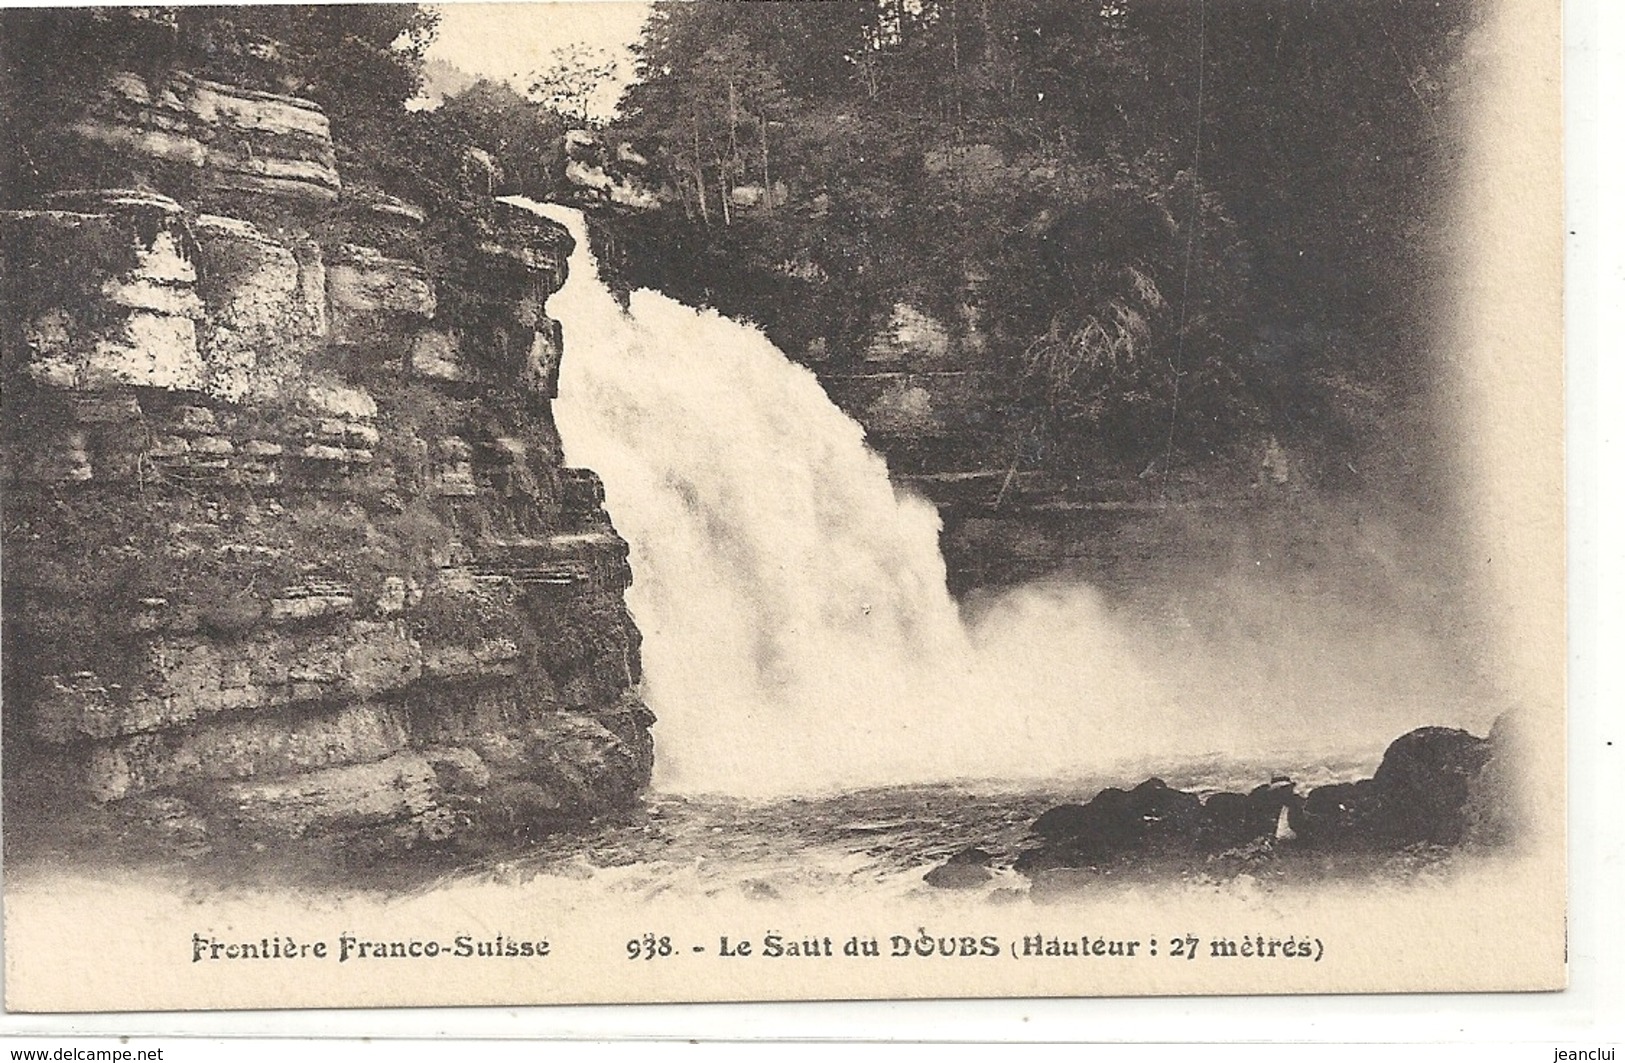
(870, 842)
(880, 841)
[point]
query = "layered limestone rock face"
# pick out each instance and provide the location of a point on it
(290, 550)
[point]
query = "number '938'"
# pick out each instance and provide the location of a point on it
(648, 947)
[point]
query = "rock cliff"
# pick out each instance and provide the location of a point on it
(290, 549)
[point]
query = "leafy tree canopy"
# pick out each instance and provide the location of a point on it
(1184, 226)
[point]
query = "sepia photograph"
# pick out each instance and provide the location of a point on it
(716, 501)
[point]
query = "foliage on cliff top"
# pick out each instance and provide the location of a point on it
(361, 63)
(1171, 217)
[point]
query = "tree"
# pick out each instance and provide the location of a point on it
(522, 136)
(575, 74)
(715, 116)
(1150, 193)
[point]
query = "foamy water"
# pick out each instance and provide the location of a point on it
(798, 632)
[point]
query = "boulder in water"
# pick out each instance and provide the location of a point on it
(1061, 822)
(1231, 819)
(1419, 793)
(1165, 819)
(1432, 787)
(1225, 822)
(1341, 814)
(965, 870)
(1265, 804)
(1153, 818)
(1423, 782)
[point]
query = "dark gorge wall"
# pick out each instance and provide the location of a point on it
(289, 546)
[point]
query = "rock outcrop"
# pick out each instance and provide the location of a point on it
(290, 549)
(1431, 789)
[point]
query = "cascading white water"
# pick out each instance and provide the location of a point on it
(798, 633)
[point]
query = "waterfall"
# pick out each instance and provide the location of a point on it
(791, 602)
(798, 632)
